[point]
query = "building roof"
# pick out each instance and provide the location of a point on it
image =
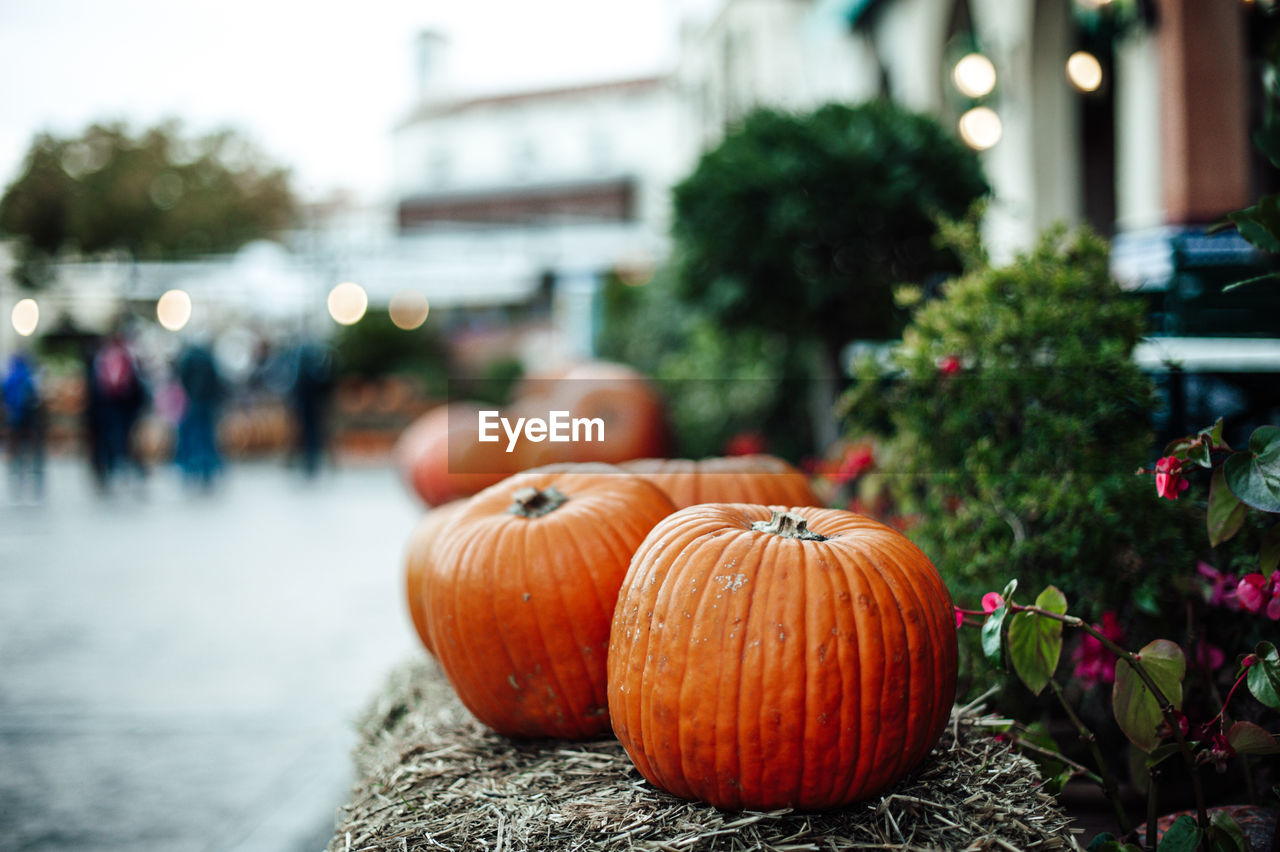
(453, 106)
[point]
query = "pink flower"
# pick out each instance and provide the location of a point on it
(949, 366)
(959, 617)
(991, 602)
(1222, 587)
(1094, 663)
(1256, 593)
(1169, 481)
(1210, 657)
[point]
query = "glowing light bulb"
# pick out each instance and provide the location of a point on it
(173, 309)
(980, 128)
(1084, 71)
(347, 303)
(25, 317)
(408, 309)
(974, 76)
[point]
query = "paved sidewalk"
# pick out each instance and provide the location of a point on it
(179, 670)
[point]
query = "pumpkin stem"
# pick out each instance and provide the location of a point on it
(533, 503)
(788, 525)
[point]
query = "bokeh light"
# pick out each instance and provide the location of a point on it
(347, 303)
(980, 128)
(25, 317)
(1084, 71)
(173, 309)
(409, 309)
(974, 76)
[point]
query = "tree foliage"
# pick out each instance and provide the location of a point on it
(154, 195)
(803, 224)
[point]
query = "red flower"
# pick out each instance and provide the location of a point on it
(949, 366)
(857, 460)
(959, 617)
(746, 444)
(991, 602)
(1094, 663)
(1169, 481)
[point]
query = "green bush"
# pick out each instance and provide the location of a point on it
(718, 383)
(374, 347)
(1013, 424)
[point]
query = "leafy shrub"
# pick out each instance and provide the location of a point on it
(1013, 426)
(374, 346)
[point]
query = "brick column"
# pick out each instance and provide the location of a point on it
(1204, 127)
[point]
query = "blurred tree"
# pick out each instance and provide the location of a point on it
(156, 195)
(375, 347)
(803, 224)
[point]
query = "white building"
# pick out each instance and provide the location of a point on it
(512, 190)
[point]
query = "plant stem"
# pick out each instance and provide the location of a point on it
(1108, 781)
(1166, 706)
(1153, 808)
(1078, 768)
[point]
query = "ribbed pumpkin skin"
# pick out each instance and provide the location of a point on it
(418, 555)
(733, 479)
(752, 671)
(518, 608)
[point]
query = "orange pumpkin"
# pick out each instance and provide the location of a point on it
(519, 598)
(441, 457)
(779, 658)
(419, 554)
(733, 479)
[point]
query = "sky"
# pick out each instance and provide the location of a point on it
(318, 91)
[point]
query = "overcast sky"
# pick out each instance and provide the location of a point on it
(317, 88)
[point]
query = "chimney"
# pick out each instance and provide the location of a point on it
(431, 65)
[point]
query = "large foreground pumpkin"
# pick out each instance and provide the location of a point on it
(768, 658)
(519, 597)
(733, 479)
(423, 543)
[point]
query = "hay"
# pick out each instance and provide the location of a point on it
(434, 778)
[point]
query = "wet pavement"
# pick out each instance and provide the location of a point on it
(179, 670)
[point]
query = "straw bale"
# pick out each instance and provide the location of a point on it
(433, 778)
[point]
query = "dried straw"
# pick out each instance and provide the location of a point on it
(434, 778)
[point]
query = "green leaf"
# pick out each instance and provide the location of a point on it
(1248, 738)
(1162, 753)
(1107, 842)
(1178, 447)
(1260, 224)
(1269, 552)
(1183, 836)
(1247, 282)
(1198, 453)
(1263, 678)
(1225, 834)
(991, 629)
(1214, 434)
(1226, 513)
(1135, 707)
(1254, 475)
(1009, 588)
(1035, 642)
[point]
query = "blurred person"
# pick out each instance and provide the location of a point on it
(203, 390)
(121, 395)
(24, 413)
(313, 378)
